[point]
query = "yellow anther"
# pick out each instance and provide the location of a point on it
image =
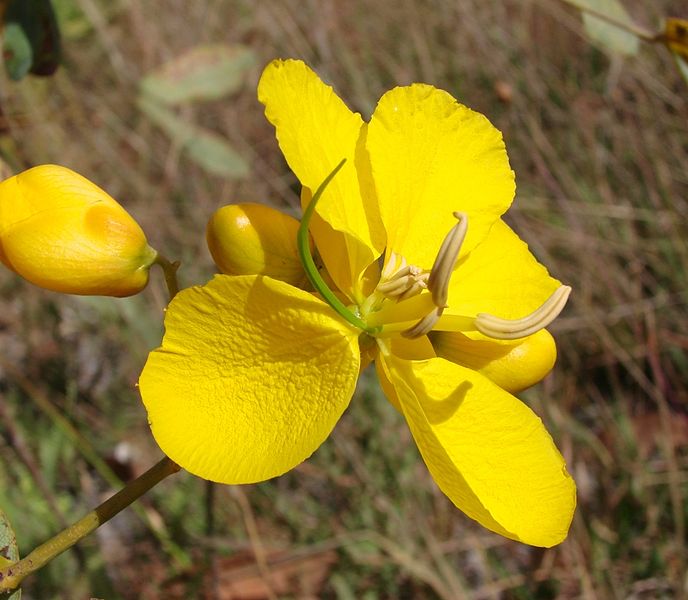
(511, 329)
(441, 272)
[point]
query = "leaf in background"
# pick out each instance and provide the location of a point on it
(207, 149)
(16, 49)
(72, 22)
(9, 553)
(676, 36)
(202, 73)
(682, 67)
(602, 32)
(36, 19)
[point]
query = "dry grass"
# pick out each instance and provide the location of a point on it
(600, 148)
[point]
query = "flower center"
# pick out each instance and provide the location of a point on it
(400, 282)
(409, 301)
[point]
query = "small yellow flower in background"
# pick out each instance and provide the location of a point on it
(254, 373)
(63, 233)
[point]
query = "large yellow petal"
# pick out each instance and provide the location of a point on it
(431, 156)
(501, 277)
(409, 349)
(316, 131)
(252, 376)
(487, 451)
(513, 365)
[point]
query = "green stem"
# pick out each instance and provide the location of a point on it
(308, 263)
(12, 576)
(89, 453)
(169, 270)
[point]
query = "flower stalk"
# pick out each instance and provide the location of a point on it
(12, 576)
(169, 270)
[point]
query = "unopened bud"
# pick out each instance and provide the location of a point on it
(63, 233)
(253, 239)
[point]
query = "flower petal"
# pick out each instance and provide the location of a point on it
(431, 156)
(409, 349)
(501, 277)
(487, 451)
(316, 131)
(252, 376)
(513, 365)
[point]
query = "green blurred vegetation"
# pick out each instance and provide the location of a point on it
(599, 144)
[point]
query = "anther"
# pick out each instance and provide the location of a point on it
(425, 325)
(407, 282)
(419, 284)
(441, 272)
(511, 329)
(395, 264)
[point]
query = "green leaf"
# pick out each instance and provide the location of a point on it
(72, 22)
(215, 155)
(206, 148)
(36, 19)
(682, 64)
(602, 32)
(17, 51)
(9, 553)
(202, 73)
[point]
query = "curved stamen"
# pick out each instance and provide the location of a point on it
(443, 267)
(425, 325)
(407, 282)
(440, 274)
(511, 329)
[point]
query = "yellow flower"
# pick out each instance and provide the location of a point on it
(63, 233)
(254, 373)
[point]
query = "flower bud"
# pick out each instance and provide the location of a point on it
(253, 239)
(63, 233)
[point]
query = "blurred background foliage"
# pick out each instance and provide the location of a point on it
(155, 101)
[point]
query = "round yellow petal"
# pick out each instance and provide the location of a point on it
(487, 451)
(252, 376)
(316, 131)
(513, 365)
(62, 232)
(254, 239)
(501, 277)
(431, 156)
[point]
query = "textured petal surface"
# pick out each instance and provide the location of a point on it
(252, 376)
(431, 156)
(316, 131)
(513, 365)
(501, 277)
(487, 451)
